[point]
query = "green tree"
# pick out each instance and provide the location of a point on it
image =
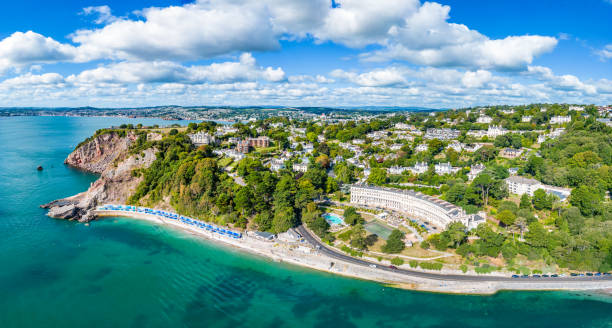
(485, 154)
(506, 217)
(263, 221)
(378, 176)
(541, 200)
(284, 219)
(243, 200)
(456, 232)
(587, 199)
(484, 182)
(534, 165)
(537, 236)
(395, 242)
(358, 238)
(351, 217)
(525, 202)
(435, 146)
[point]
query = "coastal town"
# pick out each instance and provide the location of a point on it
(472, 192)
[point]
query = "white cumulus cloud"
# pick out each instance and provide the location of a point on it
(246, 69)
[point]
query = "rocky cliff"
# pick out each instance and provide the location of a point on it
(108, 155)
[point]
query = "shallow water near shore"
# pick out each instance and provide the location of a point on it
(120, 272)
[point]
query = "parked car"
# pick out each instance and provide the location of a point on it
(393, 267)
(515, 276)
(373, 266)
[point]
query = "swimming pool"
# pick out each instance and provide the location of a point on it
(332, 218)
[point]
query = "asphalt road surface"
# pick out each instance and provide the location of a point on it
(310, 238)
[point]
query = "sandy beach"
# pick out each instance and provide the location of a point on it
(305, 255)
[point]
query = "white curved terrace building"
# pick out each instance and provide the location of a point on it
(415, 204)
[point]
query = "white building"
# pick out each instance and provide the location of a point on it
(472, 148)
(420, 148)
(202, 138)
(560, 119)
(552, 135)
(404, 126)
(484, 119)
(456, 146)
(234, 154)
(475, 170)
(299, 131)
(415, 204)
(289, 236)
(442, 134)
(419, 168)
(495, 130)
(576, 108)
(396, 170)
(226, 129)
(277, 164)
(300, 167)
(520, 185)
(308, 148)
(526, 119)
(377, 135)
(445, 168)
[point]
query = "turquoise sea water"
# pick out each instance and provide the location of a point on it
(125, 273)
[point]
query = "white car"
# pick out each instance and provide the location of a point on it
(373, 266)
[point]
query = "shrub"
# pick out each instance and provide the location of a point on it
(413, 263)
(463, 268)
(351, 251)
(484, 269)
(397, 261)
(431, 266)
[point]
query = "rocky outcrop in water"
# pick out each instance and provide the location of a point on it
(106, 154)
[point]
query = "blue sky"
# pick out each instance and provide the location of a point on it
(443, 54)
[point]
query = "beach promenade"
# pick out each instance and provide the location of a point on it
(313, 254)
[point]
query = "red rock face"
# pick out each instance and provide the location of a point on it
(107, 155)
(95, 155)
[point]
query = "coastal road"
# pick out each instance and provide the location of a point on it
(313, 240)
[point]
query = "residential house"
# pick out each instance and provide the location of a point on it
(510, 153)
(475, 170)
(484, 119)
(495, 130)
(445, 168)
(419, 168)
(560, 119)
